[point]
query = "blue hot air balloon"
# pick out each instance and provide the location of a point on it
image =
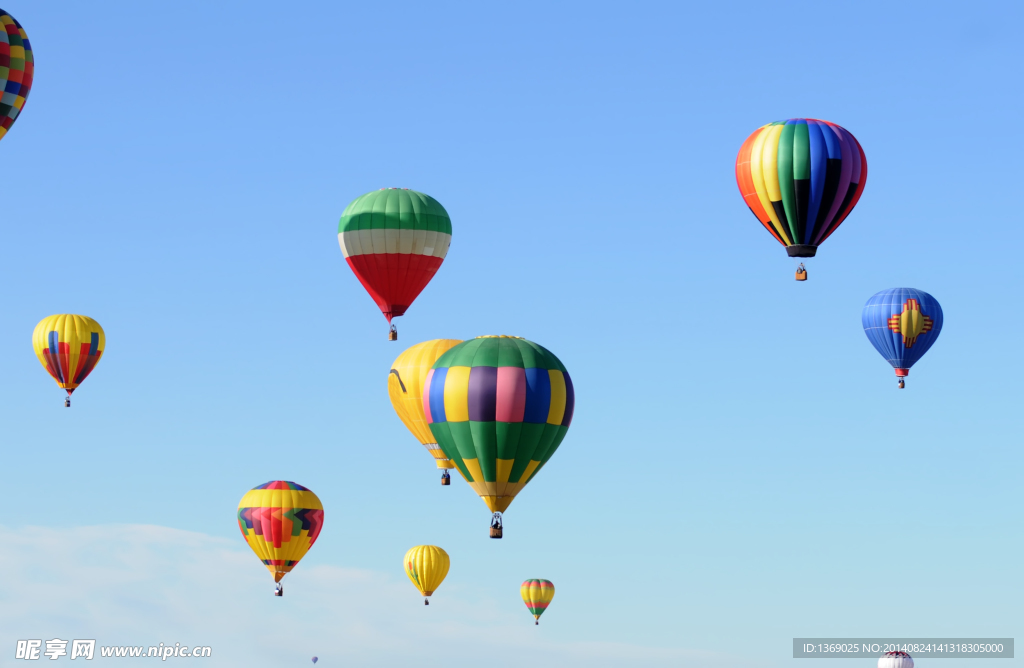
(902, 324)
(315, 659)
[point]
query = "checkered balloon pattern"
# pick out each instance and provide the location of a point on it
(16, 70)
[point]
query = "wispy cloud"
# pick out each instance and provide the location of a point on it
(143, 585)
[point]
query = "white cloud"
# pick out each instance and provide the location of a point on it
(143, 585)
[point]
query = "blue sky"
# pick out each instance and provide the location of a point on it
(741, 468)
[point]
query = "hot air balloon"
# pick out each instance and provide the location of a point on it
(280, 521)
(499, 406)
(537, 595)
(801, 178)
(902, 324)
(315, 659)
(895, 660)
(17, 68)
(394, 240)
(405, 387)
(427, 566)
(69, 347)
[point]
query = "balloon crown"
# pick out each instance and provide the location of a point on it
(500, 336)
(394, 188)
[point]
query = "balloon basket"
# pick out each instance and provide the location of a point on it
(536, 623)
(495, 532)
(67, 403)
(801, 275)
(902, 384)
(426, 601)
(393, 333)
(446, 480)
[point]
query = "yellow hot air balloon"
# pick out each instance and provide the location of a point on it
(69, 347)
(280, 521)
(537, 595)
(405, 387)
(427, 567)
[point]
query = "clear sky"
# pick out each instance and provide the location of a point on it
(741, 468)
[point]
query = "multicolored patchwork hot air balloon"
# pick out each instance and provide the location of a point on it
(801, 178)
(902, 324)
(280, 521)
(499, 406)
(17, 67)
(69, 347)
(394, 240)
(537, 595)
(405, 388)
(427, 567)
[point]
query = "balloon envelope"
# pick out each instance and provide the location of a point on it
(315, 659)
(18, 68)
(280, 521)
(801, 178)
(405, 388)
(69, 347)
(537, 595)
(499, 406)
(902, 324)
(896, 660)
(394, 241)
(427, 566)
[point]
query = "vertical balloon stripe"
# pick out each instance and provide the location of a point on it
(482, 393)
(770, 164)
(557, 409)
(510, 397)
(818, 157)
(845, 172)
(760, 181)
(538, 396)
(787, 190)
(570, 401)
(436, 396)
(801, 177)
(862, 177)
(456, 394)
(747, 189)
(54, 351)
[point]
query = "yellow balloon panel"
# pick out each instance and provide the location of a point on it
(427, 567)
(69, 347)
(405, 388)
(280, 521)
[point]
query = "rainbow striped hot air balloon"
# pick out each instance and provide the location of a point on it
(801, 178)
(280, 521)
(498, 406)
(394, 240)
(537, 595)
